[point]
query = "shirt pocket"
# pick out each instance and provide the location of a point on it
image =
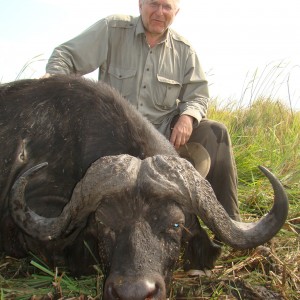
(122, 79)
(167, 92)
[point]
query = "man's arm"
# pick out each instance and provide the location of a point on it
(193, 103)
(82, 54)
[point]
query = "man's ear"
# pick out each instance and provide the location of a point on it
(140, 4)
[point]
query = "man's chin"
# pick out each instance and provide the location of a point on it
(158, 30)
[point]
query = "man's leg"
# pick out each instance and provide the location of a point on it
(222, 176)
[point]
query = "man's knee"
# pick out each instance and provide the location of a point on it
(210, 131)
(220, 132)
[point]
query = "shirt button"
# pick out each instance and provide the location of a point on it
(144, 86)
(148, 69)
(120, 76)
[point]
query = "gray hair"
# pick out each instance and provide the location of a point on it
(177, 4)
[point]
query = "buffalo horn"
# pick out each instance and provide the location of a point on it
(108, 176)
(177, 178)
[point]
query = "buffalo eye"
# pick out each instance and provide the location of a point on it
(176, 225)
(173, 231)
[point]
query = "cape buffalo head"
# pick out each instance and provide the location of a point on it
(139, 208)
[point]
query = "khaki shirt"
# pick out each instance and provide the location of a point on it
(160, 82)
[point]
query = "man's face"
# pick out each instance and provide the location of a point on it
(158, 15)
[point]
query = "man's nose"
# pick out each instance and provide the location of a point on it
(160, 9)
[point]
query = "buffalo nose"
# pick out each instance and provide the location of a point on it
(140, 290)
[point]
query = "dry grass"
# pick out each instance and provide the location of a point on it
(268, 272)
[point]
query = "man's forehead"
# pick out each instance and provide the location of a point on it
(175, 2)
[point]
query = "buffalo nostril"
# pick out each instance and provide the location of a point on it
(152, 290)
(111, 293)
(140, 290)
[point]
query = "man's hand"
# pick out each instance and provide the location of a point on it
(182, 131)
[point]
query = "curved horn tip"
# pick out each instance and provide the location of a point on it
(267, 173)
(34, 169)
(264, 169)
(281, 198)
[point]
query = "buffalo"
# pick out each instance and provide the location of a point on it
(80, 166)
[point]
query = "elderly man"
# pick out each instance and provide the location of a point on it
(157, 71)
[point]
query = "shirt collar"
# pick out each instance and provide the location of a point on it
(139, 26)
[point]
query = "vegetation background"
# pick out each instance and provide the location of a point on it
(265, 132)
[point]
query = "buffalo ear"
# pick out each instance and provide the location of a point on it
(200, 252)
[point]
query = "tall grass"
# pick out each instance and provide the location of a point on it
(265, 133)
